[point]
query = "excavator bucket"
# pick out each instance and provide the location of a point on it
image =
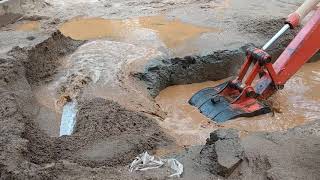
(224, 102)
(236, 98)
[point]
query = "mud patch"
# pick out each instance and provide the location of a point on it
(15, 110)
(222, 152)
(96, 69)
(41, 63)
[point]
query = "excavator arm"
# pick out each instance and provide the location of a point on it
(238, 98)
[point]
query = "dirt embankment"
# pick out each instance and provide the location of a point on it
(42, 60)
(106, 133)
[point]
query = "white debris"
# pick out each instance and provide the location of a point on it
(176, 166)
(145, 162)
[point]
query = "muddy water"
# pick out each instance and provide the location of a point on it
(296, 104)
(172, 32)
(28, 26)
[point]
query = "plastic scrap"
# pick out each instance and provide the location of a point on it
(145, 162)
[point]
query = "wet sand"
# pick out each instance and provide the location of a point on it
(298, 103)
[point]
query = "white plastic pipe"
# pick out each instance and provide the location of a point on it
(68, 119)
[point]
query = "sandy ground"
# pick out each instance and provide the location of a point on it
(120, 55)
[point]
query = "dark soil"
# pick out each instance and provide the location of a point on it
(160, 74)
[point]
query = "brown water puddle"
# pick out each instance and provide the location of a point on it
(28, 26)
(172, 32)
(298, 103)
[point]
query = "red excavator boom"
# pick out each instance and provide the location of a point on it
(238, 97)
(298, 52)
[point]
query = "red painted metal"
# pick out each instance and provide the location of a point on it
(247, 105)
(293, 20)
(240, 100)
(244, 68)
(256, 69)
(272, 74)
(298, 52)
